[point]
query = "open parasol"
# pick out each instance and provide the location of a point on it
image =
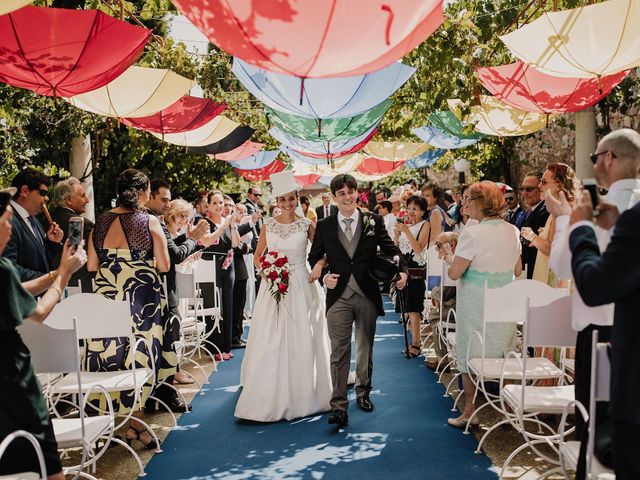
(239, 136)
(213, 131)
(440, 139)
(395, 151)
(245, 150)
(427, 159)
(8, 6)
(261, 174)
(447, 122)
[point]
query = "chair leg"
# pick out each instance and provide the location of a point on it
(166, 407)
(133, 453)
(458, 397)
(447, 392)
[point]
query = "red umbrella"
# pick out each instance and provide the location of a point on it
(245, 150)
(186, 114)
(260, 174)
(526, 88)
(375, 166)
(316, 38)
(62, 52)
(306, 180)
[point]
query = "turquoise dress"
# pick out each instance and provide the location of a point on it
(493, 247)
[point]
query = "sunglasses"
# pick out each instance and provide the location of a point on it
(509, 199)
(594, 156)
(43, 192)
(528, 189)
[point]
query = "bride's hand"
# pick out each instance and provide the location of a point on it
(316, 272)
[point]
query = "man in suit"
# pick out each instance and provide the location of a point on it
(254, 204)
(535, 217)
(349, 240)
(70, 200)
(614, 277)
(326, 209)
(513, 208)
(29, 248)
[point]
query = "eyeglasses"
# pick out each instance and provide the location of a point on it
(509, 199)
(594, 156)
(528, 189)
(544, 181)
(42, 191)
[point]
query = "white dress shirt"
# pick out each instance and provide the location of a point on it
(390, 221)
(355, 216)
(623, 194)
(20, 210)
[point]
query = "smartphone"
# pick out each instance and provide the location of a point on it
(76, 225)
(5, 198)
(590, 185)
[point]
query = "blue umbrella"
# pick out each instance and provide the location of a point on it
(259, 160)
(427, 159)
(323, 148)
(299, 157)
(322, 97)
(440, 139)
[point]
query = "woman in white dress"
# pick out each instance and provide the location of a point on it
(285, 373)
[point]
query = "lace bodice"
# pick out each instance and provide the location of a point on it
(290, 239)
(135, 226)
(405, 246)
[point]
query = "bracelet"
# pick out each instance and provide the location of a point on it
(58, 290)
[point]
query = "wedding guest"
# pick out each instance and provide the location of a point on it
(128, 251)
(22, 404)
(381, 196)
(487, 252)
(308, 212)
(242, 276)
(200, 206)
(326, 209)
(436, 216)
(384, 210)
(513, 208)
(535, 217)
(276, 212)
(247, 238)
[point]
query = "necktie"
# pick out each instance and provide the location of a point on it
(36, 230)
(347, 228)
(326, 211)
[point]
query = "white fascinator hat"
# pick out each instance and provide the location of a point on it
(283, 182)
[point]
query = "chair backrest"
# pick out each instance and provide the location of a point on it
(53, 350)
(205, 271)
(72, 290)
(446, 281)
(34, 443)
(508, 304)
(98, 316)
(186, 285)
(600, 370)
(550, 325)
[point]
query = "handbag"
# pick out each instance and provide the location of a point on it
(417, 273)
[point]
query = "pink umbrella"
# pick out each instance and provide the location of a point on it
(261, 174)
(375, 166)
(245, 150)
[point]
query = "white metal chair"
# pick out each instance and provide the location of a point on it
(37, 450)
(521, 404)
(56, 350)
(599, 392)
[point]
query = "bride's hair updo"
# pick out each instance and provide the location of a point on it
(128, 185)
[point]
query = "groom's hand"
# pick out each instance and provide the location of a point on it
(400, 284)
(331, 280)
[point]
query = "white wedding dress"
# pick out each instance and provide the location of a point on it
(285, 373)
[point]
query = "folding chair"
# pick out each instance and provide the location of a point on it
(38, 451)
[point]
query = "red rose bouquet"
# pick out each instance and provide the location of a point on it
(275, 268)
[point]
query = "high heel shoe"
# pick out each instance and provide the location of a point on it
(150, 445)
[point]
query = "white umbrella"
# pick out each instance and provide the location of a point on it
(211, 132)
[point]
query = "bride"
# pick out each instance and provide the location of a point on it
(285, 373)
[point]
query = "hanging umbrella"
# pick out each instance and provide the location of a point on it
(328, 130)
(235, 139)
(440, 139)
(493, 117)
(395, 151)
(211, 132)
(322, 98)
(446, 121)
(299, 157)
(323, 149)
(377, 166)
(261, 174)
(316, 38)
(344, 165)
(188, 113)
(526, 88)
(257, 161)
(427, 159)
(364, 177)
(138, 92)
(571, 43)
(245, 150)
(306, 180)
(62, 52)
(8, 6)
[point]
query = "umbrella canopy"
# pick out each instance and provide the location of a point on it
(328, 130)
(447, 122)
(188, 113)
(138, 92)
(235, 139)
(493, 117)
(323, 149)
(526, 88)
(212, 132)
(63, 52)
(316, 38)
(300, 157)
(377, 166)
(322, 98)
(427, 159)
(261, 174)
(245, 150)
(343, 165)
(440, 139)
(571, 43)
(261, 159)
(395, 151)
(307, 180)
(8, 6)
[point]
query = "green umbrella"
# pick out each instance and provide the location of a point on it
(327, 129)
(446, 121)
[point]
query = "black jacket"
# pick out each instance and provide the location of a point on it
(333, 210)
(535, 221)
(614, 276)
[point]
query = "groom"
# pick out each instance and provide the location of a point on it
(350, 240)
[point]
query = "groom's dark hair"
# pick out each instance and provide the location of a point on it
(342, 180)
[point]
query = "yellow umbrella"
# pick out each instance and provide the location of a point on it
(346, 164)
(8, 6)
(211, 132)
(395, 151)
(493, 117)
(138, 92)
(584, 42)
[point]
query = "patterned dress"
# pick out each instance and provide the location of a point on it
(131, 272)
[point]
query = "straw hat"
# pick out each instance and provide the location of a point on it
(283, 182)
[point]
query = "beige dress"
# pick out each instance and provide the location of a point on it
(541, 271)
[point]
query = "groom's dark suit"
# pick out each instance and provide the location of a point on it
(356, 297)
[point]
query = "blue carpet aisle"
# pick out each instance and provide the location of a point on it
(406, 436)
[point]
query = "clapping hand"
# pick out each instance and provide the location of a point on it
(583, 209)
(527, 234)
(607, 215)
(55, 233)
(199, 230)
(557, 206)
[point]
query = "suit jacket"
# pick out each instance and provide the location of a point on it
(29, 256)
(614, 276)
(535, 221)
(218, 252)
(326, 242)
(62, 215)
(333, 210)
(251, 209)
(513, 216)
